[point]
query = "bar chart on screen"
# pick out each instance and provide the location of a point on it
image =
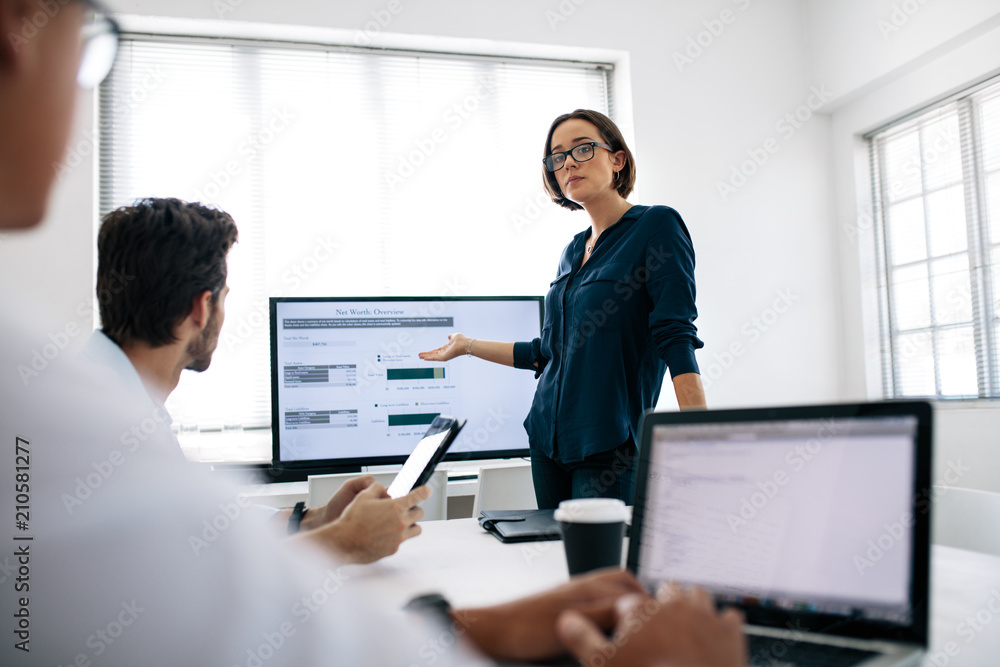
(348, 382)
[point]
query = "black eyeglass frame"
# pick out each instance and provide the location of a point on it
(549, 158)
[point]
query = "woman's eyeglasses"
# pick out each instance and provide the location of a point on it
(580, 153)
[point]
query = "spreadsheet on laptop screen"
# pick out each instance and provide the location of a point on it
(809, 514)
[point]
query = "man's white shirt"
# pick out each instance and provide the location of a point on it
(126, 554)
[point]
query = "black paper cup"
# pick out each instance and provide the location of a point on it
(592, 530)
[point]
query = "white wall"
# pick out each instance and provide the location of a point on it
(940, 49)
(856, 46)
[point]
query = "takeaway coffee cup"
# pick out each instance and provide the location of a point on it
(592, 530)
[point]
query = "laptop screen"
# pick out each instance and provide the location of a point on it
(808, 515)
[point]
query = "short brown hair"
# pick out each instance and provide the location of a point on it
(153, 259)
(611, 135)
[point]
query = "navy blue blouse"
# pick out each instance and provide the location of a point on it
(611, 329)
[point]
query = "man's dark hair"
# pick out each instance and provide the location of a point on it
(153, 259)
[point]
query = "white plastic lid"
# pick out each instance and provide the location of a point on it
(592, 510)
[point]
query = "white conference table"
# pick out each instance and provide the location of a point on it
(470, 567)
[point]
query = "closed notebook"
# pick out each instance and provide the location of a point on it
(521, 525)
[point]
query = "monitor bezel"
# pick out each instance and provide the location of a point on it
(917, 631)
(356, 463)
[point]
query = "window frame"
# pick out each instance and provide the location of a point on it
(985, 309)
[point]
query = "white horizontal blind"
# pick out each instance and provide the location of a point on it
(937, 197)
(349, 173)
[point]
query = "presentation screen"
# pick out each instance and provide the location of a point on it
(348, 389)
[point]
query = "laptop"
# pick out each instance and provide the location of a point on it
(814, 521)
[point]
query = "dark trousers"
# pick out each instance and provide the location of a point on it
(605, 475)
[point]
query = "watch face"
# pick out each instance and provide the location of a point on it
(433, 603)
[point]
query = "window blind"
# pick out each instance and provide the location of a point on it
(936, 188)
(348, 172)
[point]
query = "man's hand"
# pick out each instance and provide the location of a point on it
(525, 629)
(675, 629)
(321, 516)
(373, 525)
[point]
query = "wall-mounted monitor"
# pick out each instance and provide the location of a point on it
(348, 389)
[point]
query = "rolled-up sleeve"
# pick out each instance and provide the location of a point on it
(671, 287)
(528, 355)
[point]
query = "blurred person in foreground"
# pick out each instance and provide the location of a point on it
(101, 505)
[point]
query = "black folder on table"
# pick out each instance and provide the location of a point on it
(521, 525)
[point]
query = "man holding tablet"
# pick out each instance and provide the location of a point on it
(163, 261)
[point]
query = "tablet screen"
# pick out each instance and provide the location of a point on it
(437, 436)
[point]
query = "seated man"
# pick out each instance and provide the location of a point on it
(161, 274)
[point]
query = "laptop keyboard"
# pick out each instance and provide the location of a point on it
(772, 652)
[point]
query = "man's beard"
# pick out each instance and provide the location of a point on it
(201, 350)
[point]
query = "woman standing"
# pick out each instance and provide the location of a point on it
(619, 313)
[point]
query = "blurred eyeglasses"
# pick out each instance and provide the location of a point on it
(99, 42)
(580, 153)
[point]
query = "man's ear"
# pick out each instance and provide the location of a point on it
(201, 308)
(16, 31)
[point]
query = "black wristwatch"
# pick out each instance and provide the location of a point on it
(434, 606)
(295, 521)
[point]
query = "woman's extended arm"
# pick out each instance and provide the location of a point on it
(459, 344)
